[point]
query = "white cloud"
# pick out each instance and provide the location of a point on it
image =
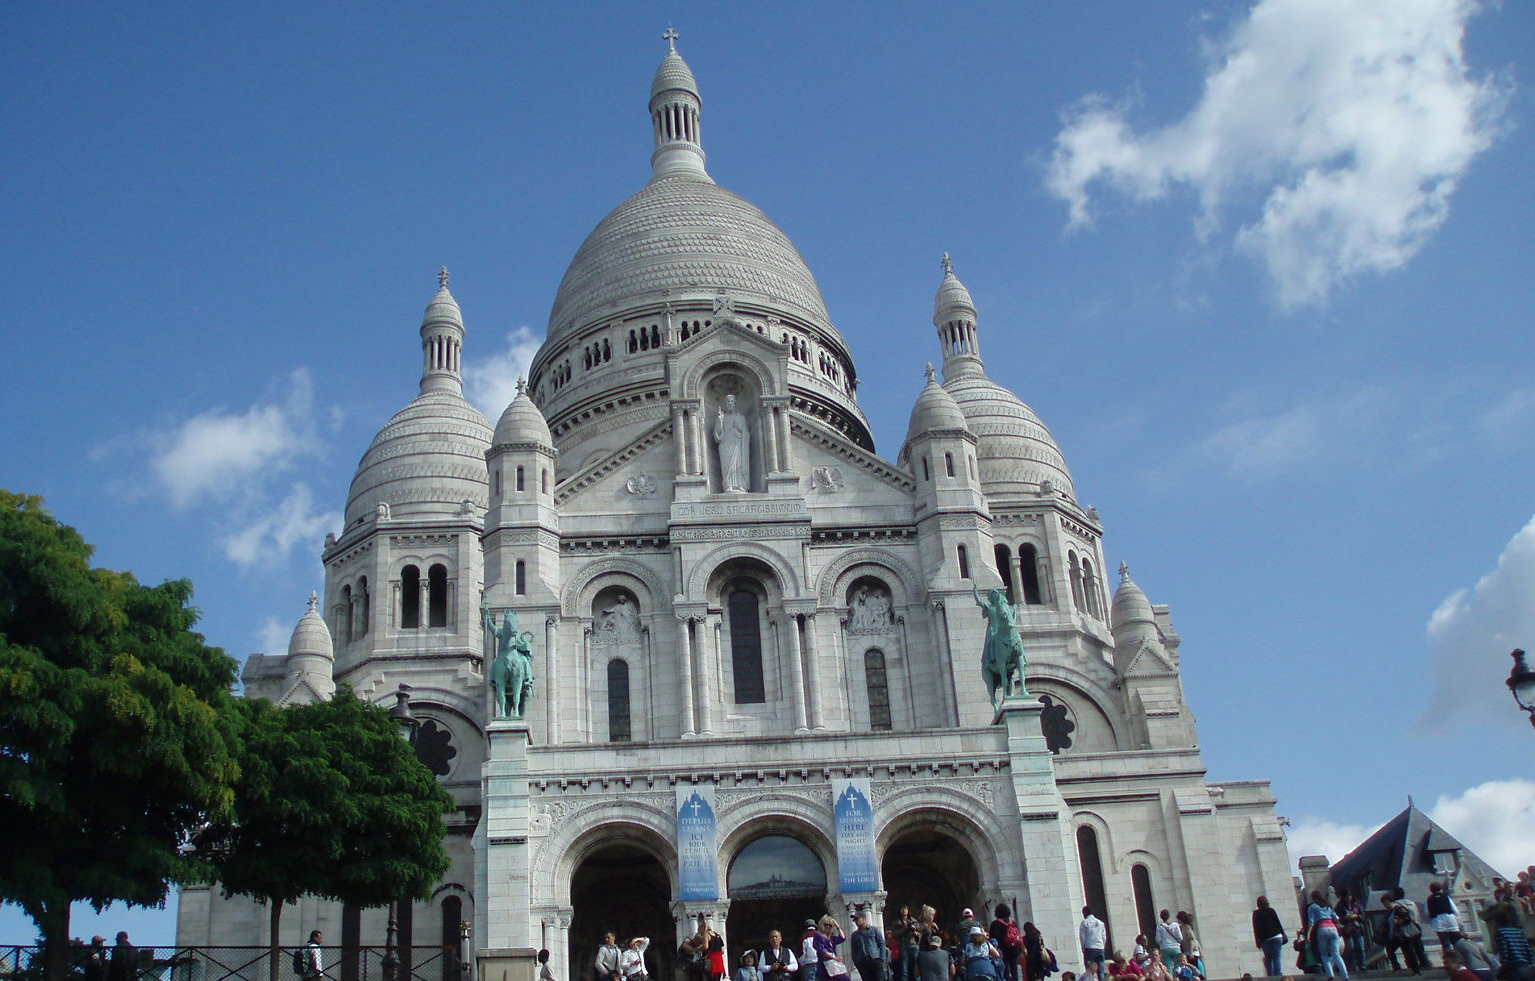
(215, 453)
(1471, 633)
(269, 536)
(272, 637)
(492, 384)
(1337, 132)
(1492, 819)
(1300, 437)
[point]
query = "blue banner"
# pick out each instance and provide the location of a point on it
(697, 854)
(856, 864)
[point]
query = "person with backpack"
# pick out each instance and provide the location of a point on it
(979, 956)
(1006, 934)
(307, 963)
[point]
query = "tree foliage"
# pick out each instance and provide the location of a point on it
(331, 803)
(116, 742)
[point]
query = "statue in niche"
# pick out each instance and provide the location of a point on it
(511, 672)
(733, 443)
(1003, 653)
(620, 622)
(871, 610)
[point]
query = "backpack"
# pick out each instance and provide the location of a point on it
(300, 964)
(1012, 939)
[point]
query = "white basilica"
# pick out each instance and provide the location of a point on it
(734, 601)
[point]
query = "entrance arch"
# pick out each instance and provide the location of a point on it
(928, 865)
(623, 889)
(775, 882)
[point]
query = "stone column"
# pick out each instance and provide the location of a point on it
(785, 440)
(814, 679)
(552, 680)
(770, 438)
(908, 681)
(945, 664)
(679, 441)
(708, 671)
(796, 675)
(700, 441)
(685, 657)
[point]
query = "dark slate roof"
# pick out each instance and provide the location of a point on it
(1401, 854)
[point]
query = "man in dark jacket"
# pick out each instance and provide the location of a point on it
(869, 950)
(125, 959)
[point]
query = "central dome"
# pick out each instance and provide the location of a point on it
(684, 237)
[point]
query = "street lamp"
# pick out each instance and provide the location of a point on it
(407, 724)
(1521, 684)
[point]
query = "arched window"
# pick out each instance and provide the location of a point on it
(964, 563)
(1075, 571)
(948, 464)
(1005, 570)
(346, 615)
(1089, 590)
(522, 578)
(437, 596)
(655, 336)
(634, 343)
(410, 598)
(519, 479)
(1028, 571)
(452, 918)
(1091, 864)
(364, 608)
(618, 700)
(879, 689)
(1145, 902)
(746, 645)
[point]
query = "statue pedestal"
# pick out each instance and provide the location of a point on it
(502, 882)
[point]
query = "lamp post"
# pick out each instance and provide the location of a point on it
(1521, 684)
(407, 724)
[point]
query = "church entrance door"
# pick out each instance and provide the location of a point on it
(775, 883)
(927, 866)
(624, 890)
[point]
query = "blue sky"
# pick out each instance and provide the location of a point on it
(1262, 268)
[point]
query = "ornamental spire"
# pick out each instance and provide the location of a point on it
(671, 37)
(442, 341)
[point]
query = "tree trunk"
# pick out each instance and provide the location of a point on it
(54, 925)
(274, 951)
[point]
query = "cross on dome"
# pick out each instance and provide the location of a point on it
(948, 265)
(1124, 570)
(671, 37)
(442, 277)
(932, 376)
(314, 601)
(522, 385)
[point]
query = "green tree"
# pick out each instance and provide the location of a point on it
(115, 739)
(331, 803)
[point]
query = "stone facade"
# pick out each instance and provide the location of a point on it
(818, 623)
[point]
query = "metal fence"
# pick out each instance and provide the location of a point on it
(19, 963)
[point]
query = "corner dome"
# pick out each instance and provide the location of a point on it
(683, 238)
(522, 422)
(311, 635)
(425, 462)
(1130, 603)
(935, 409)
(1015, 451)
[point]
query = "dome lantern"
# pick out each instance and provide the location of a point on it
(442, 342)
(675, 108)
(954, 316)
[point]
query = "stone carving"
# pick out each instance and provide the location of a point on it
(827, 480)
(1046, 487)
(511, 673)
(641, 485)
(733, 444)
(466, 507)
(619, 623)
(381, 510)
(870, 611)
(1003, 653)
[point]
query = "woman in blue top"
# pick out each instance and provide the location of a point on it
(1322, 928)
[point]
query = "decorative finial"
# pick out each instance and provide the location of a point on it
(948, 265)
(314, 601)
(932, 376)
(522, 385)
(1124, 570)
(670, 37)
(443, 277)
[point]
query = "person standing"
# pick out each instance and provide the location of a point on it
(1169, 938)
(1407, 928)
(1441, 915)
(1351, 926)
(1322, 928)
(1191, 951)
(313, 956)
(827, 939)
(1094, 937)
(979, 955)
(631, 961)
(868, 949)
(545, 973)
(1008, 937)
(1269, 935)
(934, 963)
(778, 962)
(96, 960)
(607, 958)
(125, 959)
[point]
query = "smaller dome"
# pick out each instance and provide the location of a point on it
(951, 295)
(425, 462)
(311, 636)
(935, 409)
(522, 422)
(1130, 603)
(673, 73)
(443, 308)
